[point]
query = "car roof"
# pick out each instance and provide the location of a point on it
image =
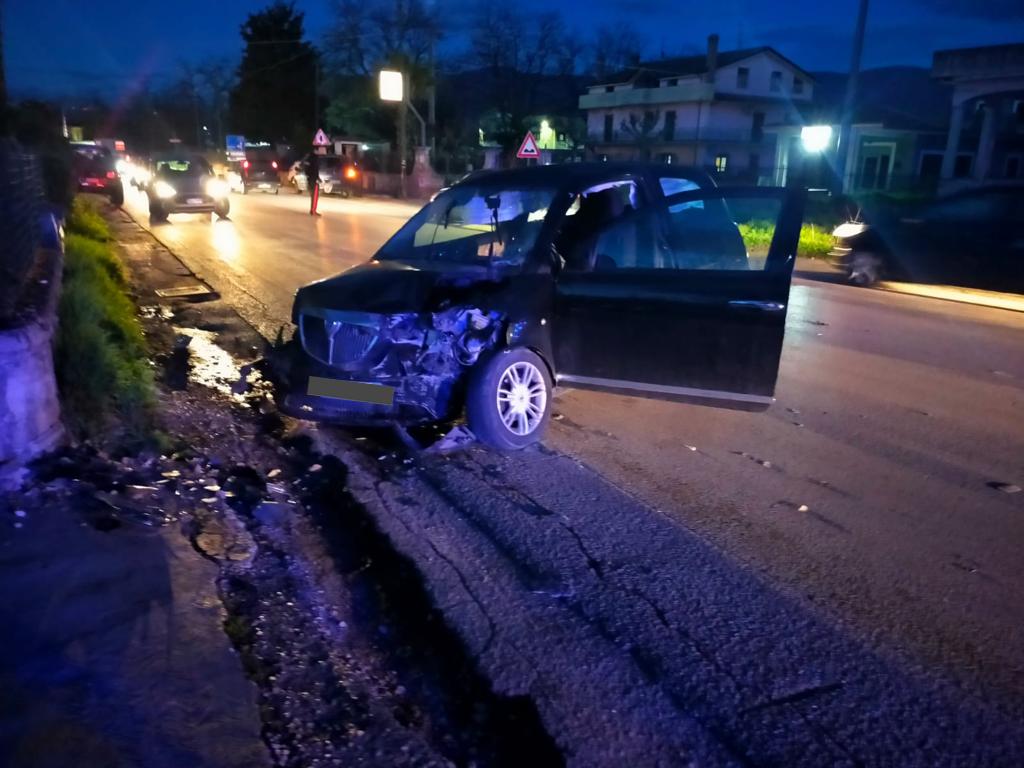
(581, 174)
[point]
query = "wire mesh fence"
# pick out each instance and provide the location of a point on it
(21, 205)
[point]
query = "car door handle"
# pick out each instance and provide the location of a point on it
(764, 306)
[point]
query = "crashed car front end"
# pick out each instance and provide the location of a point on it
(420, 360)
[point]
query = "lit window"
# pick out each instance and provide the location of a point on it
(721, 161)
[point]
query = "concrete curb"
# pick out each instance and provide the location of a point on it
(1009, 301)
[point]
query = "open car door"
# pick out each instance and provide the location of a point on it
(684, 299)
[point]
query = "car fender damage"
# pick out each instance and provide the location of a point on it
(423, 356)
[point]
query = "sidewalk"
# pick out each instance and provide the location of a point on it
(112, 652)
(817, 269)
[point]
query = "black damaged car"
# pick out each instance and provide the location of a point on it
(627, 278)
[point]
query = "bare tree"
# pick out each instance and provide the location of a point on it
(614, 48)
(217, 78)
(366, 34)
(642, 129)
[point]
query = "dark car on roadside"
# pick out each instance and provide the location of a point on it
(95, 170)
(626, 278)
(260, 172)
(339, 176)
(972, 238)
(186, 184)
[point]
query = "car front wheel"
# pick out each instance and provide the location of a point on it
(222, 209)
(865, 269)
(509, 400)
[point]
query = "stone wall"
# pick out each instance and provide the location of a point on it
(30, 421)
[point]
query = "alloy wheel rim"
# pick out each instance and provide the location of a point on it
(521, 398)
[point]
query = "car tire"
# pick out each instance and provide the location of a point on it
(117, 197)
(508, 404)
(865, 269)
(222, 209)
(277, 190)
(157, 213)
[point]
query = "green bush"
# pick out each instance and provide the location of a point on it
(84, 219)
(102, 368)
(815, 241)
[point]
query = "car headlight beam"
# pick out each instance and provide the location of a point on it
(216, 188)
(164, 190)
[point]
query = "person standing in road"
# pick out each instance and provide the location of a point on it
(313, 182)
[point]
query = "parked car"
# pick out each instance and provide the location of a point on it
(338, 176)
(186, 184)
(972, 238)
(259, 171)
(95, 169)
(627, 278)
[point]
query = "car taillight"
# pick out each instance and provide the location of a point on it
(273, 164)
(351, 173)
(245, 164)
(111, 174)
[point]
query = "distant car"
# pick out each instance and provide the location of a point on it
(627, 278)
(95, 169)
(186, 184)
(260, 172)
(972, 238)
(339, 176)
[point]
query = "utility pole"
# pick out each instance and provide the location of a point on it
(316, 91)
(432, 99)
(403, 140)
(846, 120)
(3, 76)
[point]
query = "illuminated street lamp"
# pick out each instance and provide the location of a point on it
(392, 85)
(392, 88)
(816, 138)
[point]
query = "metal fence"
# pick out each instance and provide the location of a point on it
(21, 205)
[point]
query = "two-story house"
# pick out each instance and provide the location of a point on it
(708, 111)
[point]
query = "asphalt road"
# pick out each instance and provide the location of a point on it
(868, 493)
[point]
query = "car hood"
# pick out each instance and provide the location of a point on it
(386, 287)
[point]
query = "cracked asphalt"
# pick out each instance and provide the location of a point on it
(836, 581)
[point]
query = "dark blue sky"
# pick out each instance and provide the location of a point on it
(100, 45)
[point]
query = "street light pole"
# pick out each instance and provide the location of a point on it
(846, 119)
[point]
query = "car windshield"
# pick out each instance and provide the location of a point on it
(474, 224)
(183, 166)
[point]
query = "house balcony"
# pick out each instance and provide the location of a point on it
(685, 137)
(649, 97)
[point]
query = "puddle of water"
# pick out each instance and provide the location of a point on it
(212, 366)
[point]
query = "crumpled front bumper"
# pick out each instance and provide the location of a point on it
(412, 403)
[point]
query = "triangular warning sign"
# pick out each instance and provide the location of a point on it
(321, 140)
(528, 149)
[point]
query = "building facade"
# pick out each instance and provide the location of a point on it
(710, 111)
(985, 142)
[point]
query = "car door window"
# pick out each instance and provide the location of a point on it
(717, 233)
(598, 232)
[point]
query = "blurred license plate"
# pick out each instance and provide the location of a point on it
(264, 185)
(195, 201)
(91, 182)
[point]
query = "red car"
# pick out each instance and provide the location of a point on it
(95, 170)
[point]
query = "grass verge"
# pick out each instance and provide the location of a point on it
(103, 370)
(815, 241)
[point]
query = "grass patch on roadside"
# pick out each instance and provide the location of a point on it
(103, 369)
(85, 220)
(815, 241)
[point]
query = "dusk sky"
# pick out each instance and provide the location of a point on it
(100, 45)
